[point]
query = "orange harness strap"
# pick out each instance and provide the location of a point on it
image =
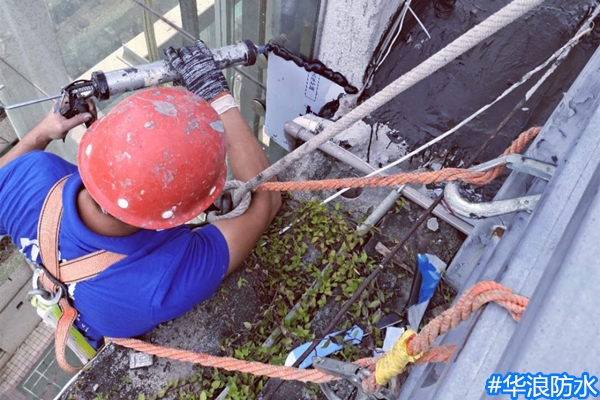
(76, 270)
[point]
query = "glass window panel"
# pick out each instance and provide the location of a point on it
(109, 35)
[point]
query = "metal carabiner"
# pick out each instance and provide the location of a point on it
(43, 296)
(516, 162)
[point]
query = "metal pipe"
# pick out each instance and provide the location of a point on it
(295, 130)
(380, 211)
(489, 209)
(516, 162)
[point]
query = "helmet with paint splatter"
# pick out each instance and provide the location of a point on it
(156, 160)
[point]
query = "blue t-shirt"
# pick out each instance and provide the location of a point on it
(164, 275)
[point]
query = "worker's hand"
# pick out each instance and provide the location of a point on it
(54, 126)
(198, 70)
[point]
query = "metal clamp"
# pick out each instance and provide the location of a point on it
(516, 162)
(353, 374)
(43, 296)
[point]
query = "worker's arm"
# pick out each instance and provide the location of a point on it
(201, 76)
(54, 126)
(246, 159)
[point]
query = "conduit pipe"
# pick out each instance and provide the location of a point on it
(297, 131)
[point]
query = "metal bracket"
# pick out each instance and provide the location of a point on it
(521, 163)
(515, 162)
(353, 374)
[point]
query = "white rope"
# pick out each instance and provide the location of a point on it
(462, 44)
(239, 209)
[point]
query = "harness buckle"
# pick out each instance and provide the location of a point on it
(41, 294)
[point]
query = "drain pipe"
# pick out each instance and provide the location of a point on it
(298, 130)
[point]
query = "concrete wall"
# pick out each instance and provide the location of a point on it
(17, 317)
(351, 29)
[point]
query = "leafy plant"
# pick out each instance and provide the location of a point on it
(308, 258)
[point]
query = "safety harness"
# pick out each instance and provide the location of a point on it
(53, 299)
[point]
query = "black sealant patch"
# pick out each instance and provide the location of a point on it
(444, 99)
(441, 101)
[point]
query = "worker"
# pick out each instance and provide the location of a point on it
(154, 162)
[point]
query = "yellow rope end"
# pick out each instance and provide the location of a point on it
(396, 359)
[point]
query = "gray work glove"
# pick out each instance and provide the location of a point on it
(198, 70)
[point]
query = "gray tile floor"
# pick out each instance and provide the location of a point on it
(45, 379)
(20, 365)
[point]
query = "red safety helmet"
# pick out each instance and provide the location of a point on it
(157, 160)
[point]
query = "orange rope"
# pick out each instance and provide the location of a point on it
(227, 363)
(233, 364)
(471, 301)
(437, 354)
(443, 175)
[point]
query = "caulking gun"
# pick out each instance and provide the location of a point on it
(104, 85)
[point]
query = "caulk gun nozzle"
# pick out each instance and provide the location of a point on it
(262, 49)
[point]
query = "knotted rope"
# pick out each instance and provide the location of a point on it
(238, 209)
(413, 347)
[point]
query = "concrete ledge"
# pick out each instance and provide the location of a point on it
(17, 321)
(18, 278)
(7, 133)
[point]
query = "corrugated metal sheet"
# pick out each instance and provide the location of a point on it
(550, 256)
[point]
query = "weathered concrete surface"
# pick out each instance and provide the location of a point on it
(198, 330)
(17, 317)
(350, 33)
(202, 328)
(7, 133)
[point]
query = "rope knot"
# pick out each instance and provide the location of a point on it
(394, 362)
(229, 203)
